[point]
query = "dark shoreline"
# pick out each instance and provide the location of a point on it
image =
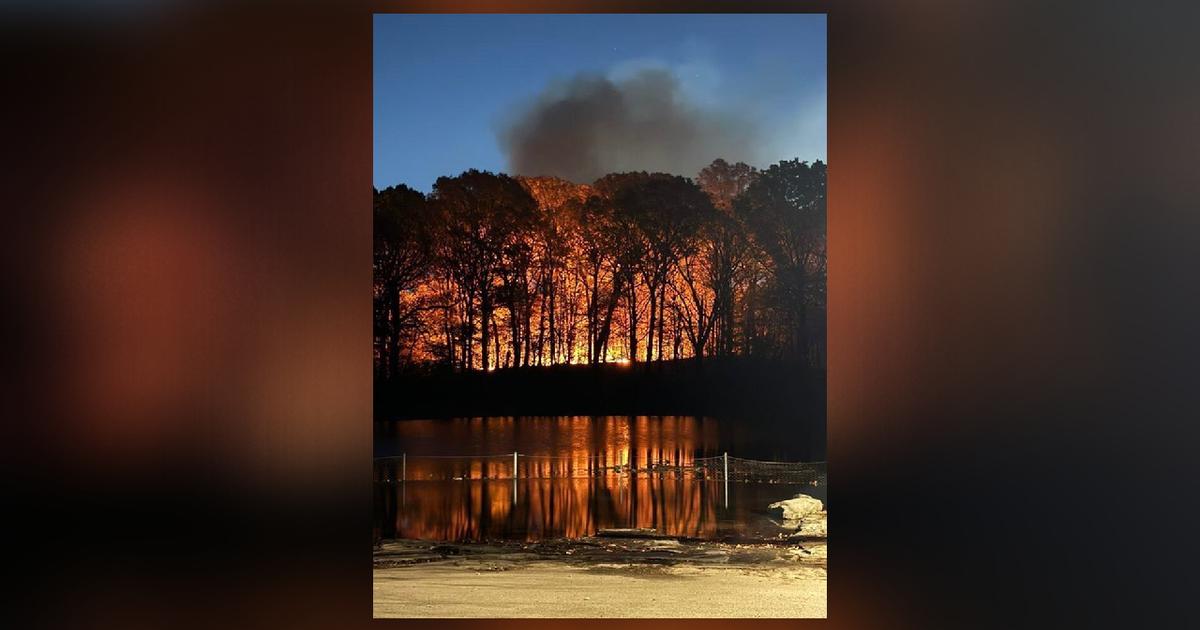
(764, 392)
(683, 387)
(751, 551)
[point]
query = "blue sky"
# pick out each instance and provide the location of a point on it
(443, 84)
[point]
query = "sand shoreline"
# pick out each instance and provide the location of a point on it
(600, 577)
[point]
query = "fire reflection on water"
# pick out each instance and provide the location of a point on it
(575, 475)
(545, 508)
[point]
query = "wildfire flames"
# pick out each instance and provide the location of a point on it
(491, 272)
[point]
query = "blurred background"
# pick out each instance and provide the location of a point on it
(1011, 349)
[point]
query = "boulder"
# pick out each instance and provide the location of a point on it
(798, 507)
(814, 525)
(804, 514)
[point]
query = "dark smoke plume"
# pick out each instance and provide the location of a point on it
(589, 126)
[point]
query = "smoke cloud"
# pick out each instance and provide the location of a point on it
(588, 126)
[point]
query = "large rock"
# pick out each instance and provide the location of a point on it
(799, 507)
(804, 514)
(814, 525)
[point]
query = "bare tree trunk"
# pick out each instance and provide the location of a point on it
(486, 312)
(748, 322)
(550, 293)
(653, 292)
(631, 298)
(593, 316)
(514, 327)
(571, 344)
(528, 317)
(662, 298)
(572, 328)
(392, 343)
(724, 308)
(541, 336)
(606, 325)
(447, 329)
(591, 329)
(678, 338)
(469, 334)
(496, 340)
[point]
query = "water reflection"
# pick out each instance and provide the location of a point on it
(574, 476)
(610, 438)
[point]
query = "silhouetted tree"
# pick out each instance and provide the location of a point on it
(516, 293)
(403, 254)
(694, 305)
(666, 213)
(730, 250)
(785, 209)
(556, 199)
(492, 271)
(609, 256)
(484, 216)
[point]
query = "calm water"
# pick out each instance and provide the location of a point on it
(574, 475)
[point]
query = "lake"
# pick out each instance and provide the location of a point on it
(454, 479)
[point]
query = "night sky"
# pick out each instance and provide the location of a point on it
(444, 85)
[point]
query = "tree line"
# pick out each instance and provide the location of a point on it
(491, 271)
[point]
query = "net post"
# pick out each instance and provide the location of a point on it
(403, 467)
(725, 457)
(514, 477)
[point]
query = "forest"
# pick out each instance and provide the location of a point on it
(489, 271)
